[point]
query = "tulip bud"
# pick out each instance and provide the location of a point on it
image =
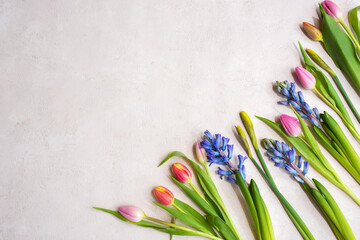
(181, 173)
(291, 125)
(312, 32)
(306, 79)
(132, 213)
(164, 196)
(333, 10)
(200, 153)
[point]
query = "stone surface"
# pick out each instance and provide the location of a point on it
(95, 93)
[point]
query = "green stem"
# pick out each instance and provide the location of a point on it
(230, 220)
(178, 208)
(349, 125)
(344, 94)
(206, 169)
(264, 166)
(196, 190)
(295, 218)
(350, 34)
(298, 222)
(182, 228)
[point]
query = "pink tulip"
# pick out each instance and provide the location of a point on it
(291, 125)
(181, 173)
(164, 196)
(312, 32)
(200, 153)
(332, 9)
(131, 213)
(306, 79)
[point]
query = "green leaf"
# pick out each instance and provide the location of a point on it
(302, 148)
(221, 227)
(355, 22)
(344, 225)
(195, 214)
(173, 154)
(147, 224)
(211, 201)
(208, 184)
(250, 203)
(325, 87)
(196, 198)
(173, 220)
(267, 232)
(342, 141)
(336, 151)
(326, 211)
(340, 48)
(214, 194)
(186, 218)
(310, 139)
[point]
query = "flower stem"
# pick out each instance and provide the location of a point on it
(347, 99)
(348, 124)
(182, 228)
(178, 208)
(196, 190)
(206, 169)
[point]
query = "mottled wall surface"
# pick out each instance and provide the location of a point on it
(93, 94)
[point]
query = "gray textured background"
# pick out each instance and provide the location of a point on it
(95, 93)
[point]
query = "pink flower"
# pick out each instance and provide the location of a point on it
(181, 173)
(164, 195)
(306, 79)
(291, 125)
(200, 153)
(332, 9)
(312, 32)
(132, 213)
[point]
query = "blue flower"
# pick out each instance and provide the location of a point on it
(223, 173)
(220, 152)
(285, 157)
(297, 101)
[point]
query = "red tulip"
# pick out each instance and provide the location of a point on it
(164, 196)
(181, 173)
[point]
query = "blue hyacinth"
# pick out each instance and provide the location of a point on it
(285, 157)
(296, 99)
(220, 152)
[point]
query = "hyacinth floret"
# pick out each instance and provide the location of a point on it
(297, 101)
(220, 152)
(285, 157)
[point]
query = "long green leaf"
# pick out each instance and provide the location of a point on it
(326, 87)
(147, 224)
(343, 141)
(340, 48)
(195, 214)
(250, 203)
(208, 183)
(221, 227)
(355, 21)
(265, 226)
(186, 218)
(344, 225)
(196, 198)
